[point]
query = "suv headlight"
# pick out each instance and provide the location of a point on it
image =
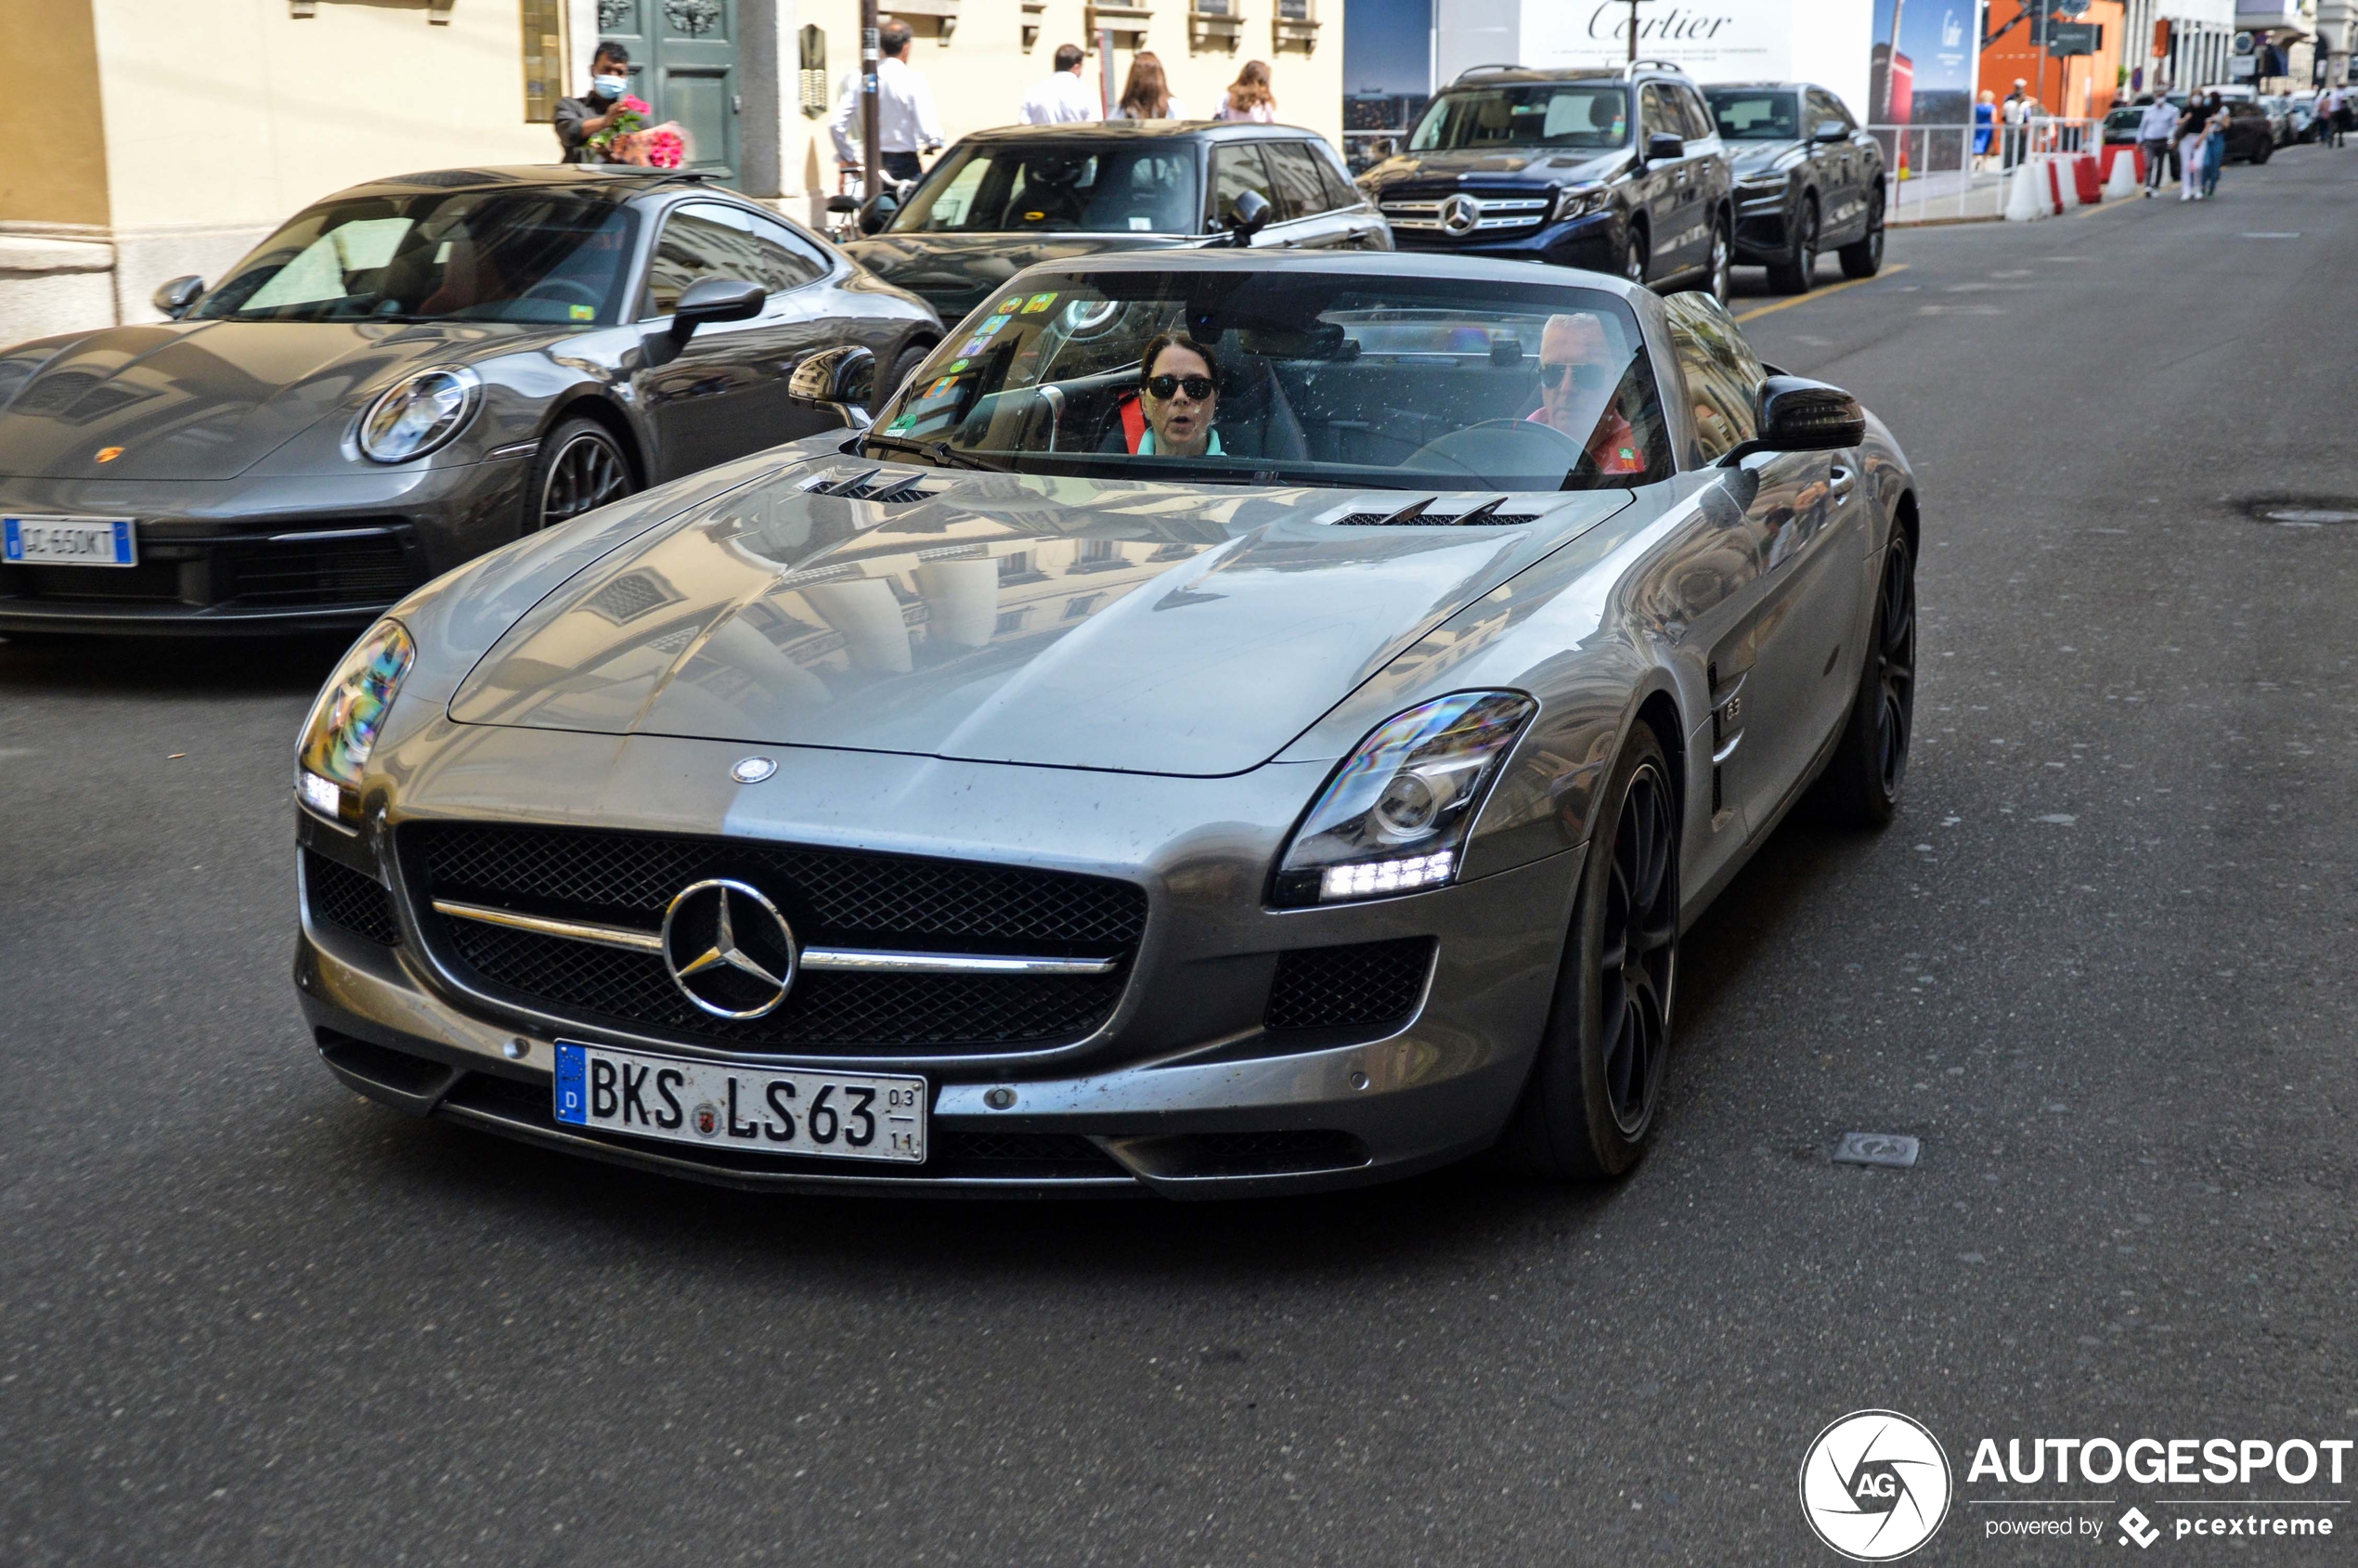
(1393, 818)
(1579, 200)
(346, 719)
(419, 413)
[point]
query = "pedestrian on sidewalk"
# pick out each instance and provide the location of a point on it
(1062, 98)
(2157, 133)
(2194, 129)
(1985, 127)
(1146, 95)
(577, 120)
(906, 124)
(2214, 147)
(2015, 115)
(2337, 114)
(1249, 95)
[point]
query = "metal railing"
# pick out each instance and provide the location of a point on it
(1942, 174)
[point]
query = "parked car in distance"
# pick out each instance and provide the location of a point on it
(2279, 111)
(1003, 200)
(407, 374)
(2301, 110)
(1617, 171)
(2120, 126)
(1807, 180)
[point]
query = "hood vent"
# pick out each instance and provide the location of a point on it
(1414, 514)
(870, 485)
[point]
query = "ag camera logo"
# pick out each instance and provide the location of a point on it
(1874, 1486)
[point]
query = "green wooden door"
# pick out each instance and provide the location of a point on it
(683, 55)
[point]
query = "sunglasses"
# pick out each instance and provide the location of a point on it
(1586, 377)
(1198, 387)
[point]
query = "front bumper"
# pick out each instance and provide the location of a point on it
(1764, 234)
(1185, 1090)
(275, 554)
(1592, 243)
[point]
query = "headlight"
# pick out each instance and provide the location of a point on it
(418, 414)
(1578, 200)
(1394, 816)
(1762, 185)
(343, 724)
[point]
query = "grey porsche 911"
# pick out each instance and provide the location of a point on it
(1238, 722)
(404, 375)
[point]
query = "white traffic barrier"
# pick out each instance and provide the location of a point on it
(2124, 174)
(2060, 185)
(2027, 198)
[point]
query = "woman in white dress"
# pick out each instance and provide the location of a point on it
(1146, 95)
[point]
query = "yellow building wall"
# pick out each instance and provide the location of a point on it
(56, 169)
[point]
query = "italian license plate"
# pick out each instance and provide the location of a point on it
(832, 1115)
(70, 541)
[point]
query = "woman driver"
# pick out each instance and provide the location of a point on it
(1178, 398)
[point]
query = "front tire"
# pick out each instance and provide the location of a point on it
(1870, 766)
(581, 468)
(1798, 271)
(1719, 272)
(1863, 256)
(1633, 257)
(1595, 1091)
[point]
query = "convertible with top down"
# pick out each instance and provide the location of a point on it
(1236, 723)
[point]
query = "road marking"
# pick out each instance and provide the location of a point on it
(1822, 294)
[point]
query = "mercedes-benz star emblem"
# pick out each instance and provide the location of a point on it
(729, 950)
(753, 770)
(1459, 214)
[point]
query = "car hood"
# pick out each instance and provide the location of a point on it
(1755, 157)
(1159, 629)
(957, 272)
(1537, 165)
(205, 399)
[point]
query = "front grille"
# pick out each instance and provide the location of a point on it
(344, 899)
(831, 896)
(1483, 215)
(1349, 987)
(952, 1152)
(360, 569)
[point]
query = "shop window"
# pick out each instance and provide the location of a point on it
(544, 58)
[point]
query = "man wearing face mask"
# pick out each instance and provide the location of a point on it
(577, 120)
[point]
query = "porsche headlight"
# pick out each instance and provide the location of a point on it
(346, 719)
(1395, 817)
(419, 413)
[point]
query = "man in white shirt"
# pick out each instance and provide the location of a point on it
(906, 124)
(1062, 98)
(2157, 133)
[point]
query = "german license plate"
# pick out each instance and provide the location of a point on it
(832, 1115)
(70, 541)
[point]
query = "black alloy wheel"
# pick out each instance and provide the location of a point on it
(1869, 769)
(581, 468)
(1863, 256)
(1798, 272)
(1633, 257)
(1596, 1088)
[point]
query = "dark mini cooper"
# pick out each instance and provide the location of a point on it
(1003, 200)
(1808, 180)
(404, 375)
(1613, 171)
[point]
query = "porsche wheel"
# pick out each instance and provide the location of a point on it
(1870, 765)
(1797, 272)
(1591, 1103)
(581, 468)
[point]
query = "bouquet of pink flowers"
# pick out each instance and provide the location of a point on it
(664, 147)
(624, 121)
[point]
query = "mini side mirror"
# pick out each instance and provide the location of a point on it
(842, 378)
(175, 298)
(1247, 216)
(877, 213)
(1797, 415)
(1831, 130)
(708, 300)
(1661, 147)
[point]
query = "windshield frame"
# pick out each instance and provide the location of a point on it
(615, 308)
(1641, 378)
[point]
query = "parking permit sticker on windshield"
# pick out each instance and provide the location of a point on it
(1038, 303)
(973, 346)
(991, 324)
(1009, 305)
(583, 312)
(955, 366)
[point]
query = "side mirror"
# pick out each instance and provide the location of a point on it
(1661, 147)
(175, 298)
(1831, 130)
(843, 380)
(716, 299)
(1247, 216)
(878, 212)
(1797, 415)
(843, 203)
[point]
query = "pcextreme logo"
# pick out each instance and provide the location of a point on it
(1874, 1486)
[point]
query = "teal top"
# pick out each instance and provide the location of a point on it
(1147, 445)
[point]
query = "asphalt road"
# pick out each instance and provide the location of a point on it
(2099, 967)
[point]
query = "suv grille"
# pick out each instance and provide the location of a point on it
(1348, 987)
(831, 896)
(1488, 215)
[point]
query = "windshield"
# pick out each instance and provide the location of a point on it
(1753, 116)
(1293, 378)
(473, 255)
(1057, 187)
(1590, 114)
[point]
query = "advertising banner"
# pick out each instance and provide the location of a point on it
(1924, 62)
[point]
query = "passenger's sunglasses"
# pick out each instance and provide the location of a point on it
(1586, 377)
(1198, 387)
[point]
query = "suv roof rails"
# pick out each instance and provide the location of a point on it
(1671, 66)
(1494, 65)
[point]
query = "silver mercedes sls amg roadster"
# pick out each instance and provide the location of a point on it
(1236, 722)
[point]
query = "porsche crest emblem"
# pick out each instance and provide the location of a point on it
(108, 454)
